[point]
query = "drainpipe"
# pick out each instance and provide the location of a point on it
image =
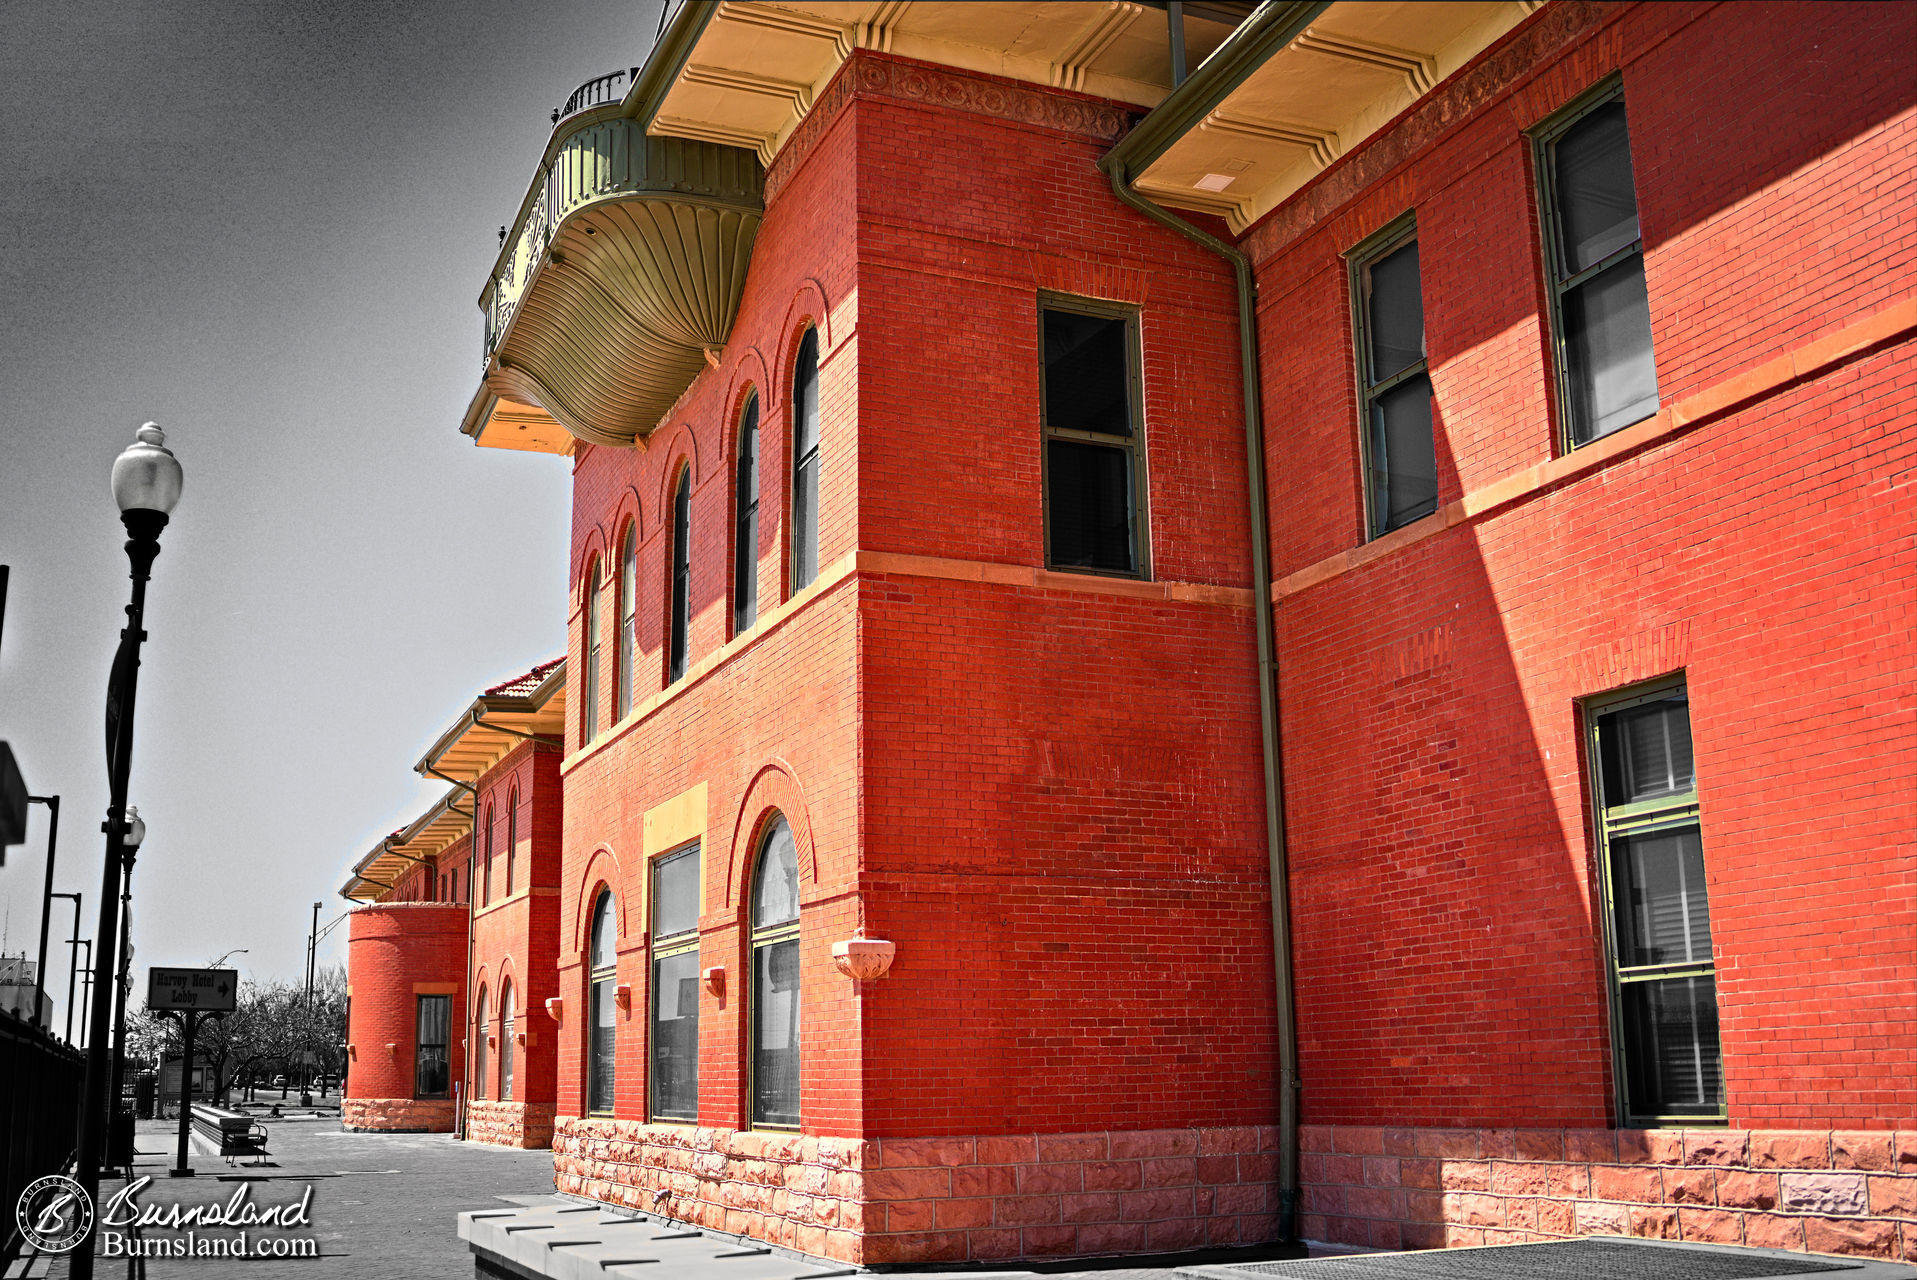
(1275, 851)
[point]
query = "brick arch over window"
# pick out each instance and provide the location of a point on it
(773, 789)
(591, 547)
(681, 450)
(627, 509)
(807, 310)
(603, 873)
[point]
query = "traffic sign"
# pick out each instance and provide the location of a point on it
(215, 990)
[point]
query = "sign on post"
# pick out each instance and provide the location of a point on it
(207, 990)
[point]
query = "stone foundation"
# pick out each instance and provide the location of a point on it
(509, 1124)
(936, 1199)
(1825, 1191)
(396, 1115)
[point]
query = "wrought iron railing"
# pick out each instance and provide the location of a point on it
(597, 92)
(39, 1102)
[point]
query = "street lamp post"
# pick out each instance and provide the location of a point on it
(86, 985)
(146, 485)
(73, 960)
(306, 1040)
(120, 1144)
(46, 905)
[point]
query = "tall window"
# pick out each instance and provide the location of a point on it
(745, 533)
(512, 836)
(775, 979)
(628, 614)
(1394, 386)
(675, 986)
(592, 652)
(681, 574)
(1665, 981)
(489, 856)
(481, 1028)
(1594, 255)
(432, 1068)
(506, 1029)
(805, 462)
(1089, 406)
(600, 1031)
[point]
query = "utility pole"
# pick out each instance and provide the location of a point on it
(306, 1054)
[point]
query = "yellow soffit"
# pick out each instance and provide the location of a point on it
(497, 423)
(759, 64)
(1353, 70)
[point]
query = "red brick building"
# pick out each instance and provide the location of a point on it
(1319, 646)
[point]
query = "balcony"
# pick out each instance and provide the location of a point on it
(619, 279)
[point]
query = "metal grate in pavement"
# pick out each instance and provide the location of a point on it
(1557, 1260)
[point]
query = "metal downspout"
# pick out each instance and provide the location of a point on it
(1275, 850)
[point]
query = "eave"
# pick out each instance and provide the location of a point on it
(1298, 85)
(422, 840)
(495, 725)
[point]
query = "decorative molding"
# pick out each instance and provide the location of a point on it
(1322, 144)
(864, 958)
(1419, 70)
(1221, 203)
(875, 30)
(752, 14)
(1068, 72)
(699, 131)
(797, 97)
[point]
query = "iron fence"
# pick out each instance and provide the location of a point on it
(40, 1079)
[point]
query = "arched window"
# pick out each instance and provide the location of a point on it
(506, 1041)
(675, 985)
(745, 533)
(479, 1046)
(512, 836)
(775, 979)
(805, 462)
(628, 614)
(592, 652)
(487, 884)
(681, 574)
(599, 1023)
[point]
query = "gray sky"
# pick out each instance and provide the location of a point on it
(264, 226)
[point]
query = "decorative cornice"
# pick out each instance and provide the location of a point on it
(1069, 71)
(752, 14)
(874, 31)
(796, 96)
(1321, 143)
(1419, 71)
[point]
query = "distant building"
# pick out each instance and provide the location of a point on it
(18, 989)
(1297, 623)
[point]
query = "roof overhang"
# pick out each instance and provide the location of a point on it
(422, 840)
(1299, 84)
(530, 709)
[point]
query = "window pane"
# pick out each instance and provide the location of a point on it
(602, 932)
(675, 894)
(1396, 313)
(775, 1041)
(1670, 1031)
(1607, 348)
(628, 600)
(775, 887)
(506, 1030)
(432, 1076)
(745, 565)
(600, 1032)
(681, 572)
(479, 1048)
(1663, 914)
(1597, 207)
(805, 468)
(1087, 374)
(1404, 465)
(592, 653)
(675, 1036)
(1653, 752)
(1089, 504)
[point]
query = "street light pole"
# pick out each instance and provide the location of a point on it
(73, 961)
(306, 1051)
(146, 485)
(86, 987)
(46, 905)
(115, 1147)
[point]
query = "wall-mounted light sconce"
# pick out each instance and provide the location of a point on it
(863, 958)
(716, 980)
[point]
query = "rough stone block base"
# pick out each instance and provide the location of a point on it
(396, 1115)
(509, 1124)
(950, 1199)
(1820, 1190)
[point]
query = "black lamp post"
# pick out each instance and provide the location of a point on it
(120, 1144)
(46, 905)
(73, 961)
(146, 485)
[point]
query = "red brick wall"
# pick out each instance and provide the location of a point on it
(1450, 962)
(516, 936)
(392, 947)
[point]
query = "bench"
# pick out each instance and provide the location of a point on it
(236, 1133)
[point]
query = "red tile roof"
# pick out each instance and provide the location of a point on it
(520, 686)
